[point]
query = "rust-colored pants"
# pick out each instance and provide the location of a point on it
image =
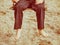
(21, 6)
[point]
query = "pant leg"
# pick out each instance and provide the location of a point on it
(40, 18)
(40, 15)
(19, 7)
(18, 15)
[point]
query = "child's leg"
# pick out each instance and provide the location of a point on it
(18, 18)
(40, 14)
(40, 18)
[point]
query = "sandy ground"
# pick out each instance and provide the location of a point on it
(50, 35)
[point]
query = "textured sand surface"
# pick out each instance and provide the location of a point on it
(50, 35)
